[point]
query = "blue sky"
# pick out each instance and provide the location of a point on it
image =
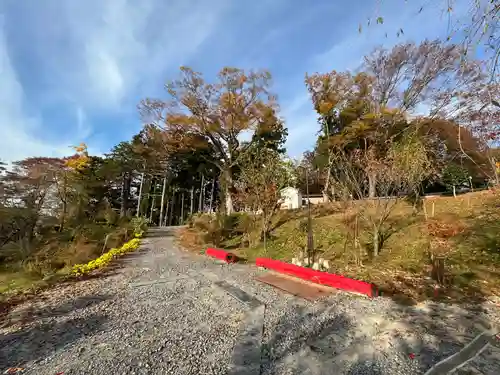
(73, 71)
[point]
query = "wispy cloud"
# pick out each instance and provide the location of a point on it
(95, 57)
(76, 70)
(18, 139)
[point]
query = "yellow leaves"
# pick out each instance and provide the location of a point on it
(77, 163)
(325, 107)
(103, 260)
(81, 149)
(80, 160)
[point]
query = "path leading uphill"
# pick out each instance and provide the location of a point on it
(167, 311)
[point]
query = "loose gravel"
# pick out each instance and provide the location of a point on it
(161, 313)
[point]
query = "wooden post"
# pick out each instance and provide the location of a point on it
(433, 208)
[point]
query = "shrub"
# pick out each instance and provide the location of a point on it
(202, 222)
(103, 260)
(139, 226)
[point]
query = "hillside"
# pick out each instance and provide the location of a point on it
(464, 230)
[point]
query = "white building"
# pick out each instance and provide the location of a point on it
(291, 198)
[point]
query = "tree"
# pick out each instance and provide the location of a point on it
(454, 175)
(479, 31)
(263, 176)
(410, 75)
(450, 143)
(28, 199)
(398, 171)
(477, 110)
(370, 108)
(180, 169)
(213, 116)
(123, 162)
(271, 135)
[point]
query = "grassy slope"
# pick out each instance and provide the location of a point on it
(55, 259)
(470, 222)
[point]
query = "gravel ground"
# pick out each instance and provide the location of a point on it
(161, 313)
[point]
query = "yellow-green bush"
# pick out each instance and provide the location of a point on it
(104, 259)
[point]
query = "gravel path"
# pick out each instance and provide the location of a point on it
(163, 313)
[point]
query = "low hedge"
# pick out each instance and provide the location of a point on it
(106, 258)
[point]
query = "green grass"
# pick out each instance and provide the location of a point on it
(472, 252)
(53, 259)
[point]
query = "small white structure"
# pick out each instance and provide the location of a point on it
(292, 198)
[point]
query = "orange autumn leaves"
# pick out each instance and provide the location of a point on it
(80, 160)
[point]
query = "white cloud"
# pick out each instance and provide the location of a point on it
(17, 140)
(124, 44)
(95, 55)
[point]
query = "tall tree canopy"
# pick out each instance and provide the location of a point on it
(214, 116)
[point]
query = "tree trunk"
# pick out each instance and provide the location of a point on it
(191, 208)
(496, 171)
(64, 200)
(171, 217)
(332, 192)
(182, 210)
(454, 191)
(376, 240)
(140, 195)
(166, 214)
(202, 190)
(228, 199)
(153, 202)
(124, 196)
(229, 202)
(372, 186)
(62, 222)
(326, 188)
(212, 195)
(162, 204)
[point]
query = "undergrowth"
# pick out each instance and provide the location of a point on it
(465, 231)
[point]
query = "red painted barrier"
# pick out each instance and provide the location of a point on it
(222, 254)
(319, 277)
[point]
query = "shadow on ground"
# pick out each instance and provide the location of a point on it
(409, 341)
(30, 312)
(40, 341)
(156, 232)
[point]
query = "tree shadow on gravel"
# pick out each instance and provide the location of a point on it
(31, 312)
(435, 332)
(40, 341)
(407, 341)
(297, 338)
(162, 232)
